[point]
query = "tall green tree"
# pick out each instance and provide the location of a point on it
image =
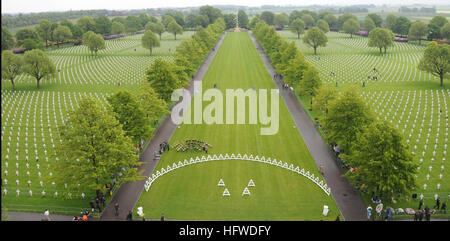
(149, 41)
(281, 19)
(45, 30)
(132, 24)
(417, 31)
(389, 23)
(117, 28)
(12, 66)
(298, 26)
(166, 19)
(368, 24)
(94, 149)
(401, 26)
(344, 18)
(347, 116)
(62, 33)
(26, 33)
(38, 65)
(381, 38)
(86, 24)
(445, 31)
(351, 26)
(382, 161)
(153, 106)
(331, 20)
(174, 28)
(230, 20)
(211, 12)
(323, 25)
(436, 60)
(7, 39)
(93, 41)
(103, 25)
(308, 20)
(376, 19)
(267, 17)
(295, 69)
(129, 112)
(163, 78)
(325, 95)
(157, 28)
(242, 19)
(310, 83)
(315, 38)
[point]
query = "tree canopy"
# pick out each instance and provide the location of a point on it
(381, 38)
(417, 31)
(315, 38)
(94, 149)
(174, 28)
(149, 41)
(436, 60)
(351, 26)
(12, 66)
(7, 39)
(93, 41)
(298, 26)
(38, 65)
(323, 25)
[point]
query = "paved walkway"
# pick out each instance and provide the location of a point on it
(128, 194)
(348, 200)
(19, 216)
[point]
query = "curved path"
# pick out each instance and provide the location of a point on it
(128, 193)
(348, 200)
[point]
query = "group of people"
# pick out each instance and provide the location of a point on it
(83, 216)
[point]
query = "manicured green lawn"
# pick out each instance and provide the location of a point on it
(191, 192)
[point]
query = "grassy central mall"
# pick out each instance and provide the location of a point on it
(192, 193)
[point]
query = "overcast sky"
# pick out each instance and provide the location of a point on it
(26, 6)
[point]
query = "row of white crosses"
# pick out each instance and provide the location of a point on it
(439, 143)
(246, 191)
(15, 105)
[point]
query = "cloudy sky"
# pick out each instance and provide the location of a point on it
(26, 6)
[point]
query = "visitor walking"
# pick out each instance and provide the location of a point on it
(116, 209)
(162, 216)
(338, 218)
(420, 204)
(438, 203)
(444, 207)
(91, 203)
(322, 169)
(130, 216)
(47, 215)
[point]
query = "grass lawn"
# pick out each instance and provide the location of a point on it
(191, 193)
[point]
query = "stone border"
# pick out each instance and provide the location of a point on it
(262, 159)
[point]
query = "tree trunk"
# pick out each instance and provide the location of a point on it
(315, 50)
(160, 36)
(13, 85)
(384, 50)
(441, 76)
(150, 51)
(175, 36)
(381, 53)
(38, 83)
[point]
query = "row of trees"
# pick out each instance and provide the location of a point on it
(98, 138)
(288, 60)
(380, 159)
(437, 28)
(34, 63)
(165, 76)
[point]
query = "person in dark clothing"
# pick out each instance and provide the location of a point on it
(162, 216)
(438, 203)
(427, 209)
(420, 203)
(444, 207)
(130, 216)
(91, 203)
(338, 218)
(416, 216)
(428, 216)
(97, 201)
(420, 216)
(116, 209)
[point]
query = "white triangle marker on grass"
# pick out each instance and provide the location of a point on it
(221, 183)
(246, 191)
(251, 183)
(226, 192)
